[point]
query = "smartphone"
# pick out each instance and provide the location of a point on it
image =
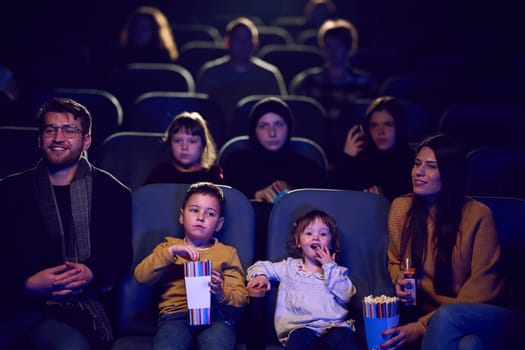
(358, 130)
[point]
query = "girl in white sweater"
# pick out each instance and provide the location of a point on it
(314, 290)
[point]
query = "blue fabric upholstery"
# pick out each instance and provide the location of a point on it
(23, 139)
(131, 81)
(495, 124)
(154, 111)
(509, 214)
(361, 219)
(291, 59)
(155, 214)
(194, 54)
(131, 155)
(301, 145)
(496, 171)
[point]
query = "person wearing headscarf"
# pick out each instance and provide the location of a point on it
(270, 166)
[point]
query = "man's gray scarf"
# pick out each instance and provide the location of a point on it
(80, 195)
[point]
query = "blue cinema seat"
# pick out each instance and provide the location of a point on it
(361, 219)
(508, 215)
(155, 214)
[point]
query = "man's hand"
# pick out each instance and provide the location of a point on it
(74, 280)
(62, 280)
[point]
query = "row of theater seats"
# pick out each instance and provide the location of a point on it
(130, 156)
(393, 57)
(268, 34)
(380, 56)
(434, 80)
(434, 90)
(491, 170)
(362, 222)
(476, 124)
(127, 83)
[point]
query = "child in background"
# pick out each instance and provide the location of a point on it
(192, 151)
(314, 291)
(201, 216)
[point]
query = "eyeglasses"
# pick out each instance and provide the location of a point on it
(69, 131)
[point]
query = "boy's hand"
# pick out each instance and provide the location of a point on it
(216, 285)
(184, 251)
(260, 281)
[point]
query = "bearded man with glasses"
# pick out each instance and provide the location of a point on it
(65, 240)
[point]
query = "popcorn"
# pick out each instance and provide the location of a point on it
(380, 299)
(380, 306)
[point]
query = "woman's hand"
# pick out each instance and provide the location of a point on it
(404, 297)
(355, 142)
(270, 193)
(265, 195)
(406, 334)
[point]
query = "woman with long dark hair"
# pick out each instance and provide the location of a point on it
(449, 238)
(378, 157)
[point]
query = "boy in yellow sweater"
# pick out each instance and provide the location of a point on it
(201, 216)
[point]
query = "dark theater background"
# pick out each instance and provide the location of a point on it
(457, 65)
(476, 45)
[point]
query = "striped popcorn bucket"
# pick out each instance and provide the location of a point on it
(197, 275)
(380, 313)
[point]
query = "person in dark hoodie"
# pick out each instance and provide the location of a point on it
(270, 168)
(270, 165)
(376, 156)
